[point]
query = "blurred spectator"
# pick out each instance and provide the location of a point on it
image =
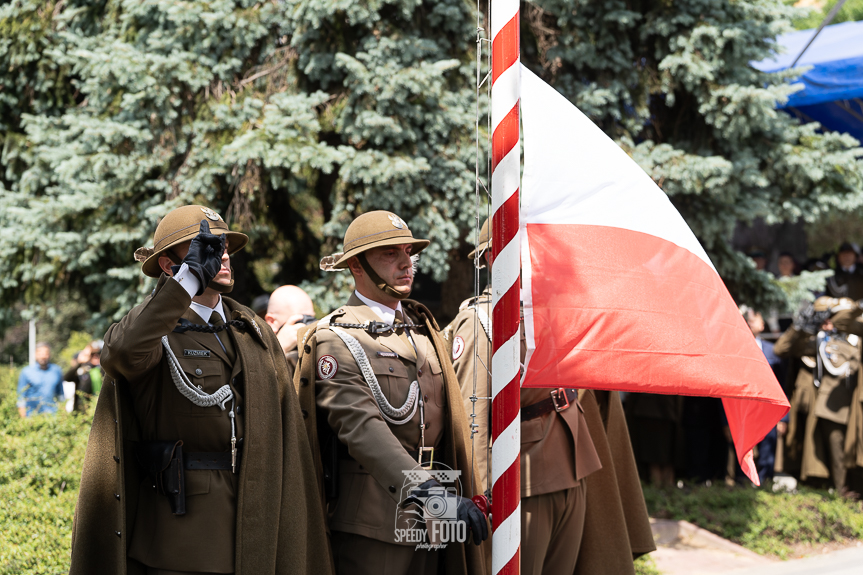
(759, 258)
(86, 374)
(787, 265)
(766, 449)
(259, 305)
(848, 279)
(289, 309)
(40, 385)
(656, 435)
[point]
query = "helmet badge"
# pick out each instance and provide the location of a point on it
(397, 221)
(211, 214)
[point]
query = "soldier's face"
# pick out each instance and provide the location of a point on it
(394, 265)
(180, 251)
(847, 259)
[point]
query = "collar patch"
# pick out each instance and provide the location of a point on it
(196, 353)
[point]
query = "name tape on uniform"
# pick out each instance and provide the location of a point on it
(196, 353)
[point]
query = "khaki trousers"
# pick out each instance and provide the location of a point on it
(551, 528)
(357, 555)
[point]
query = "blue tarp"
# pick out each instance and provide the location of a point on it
(832, 91)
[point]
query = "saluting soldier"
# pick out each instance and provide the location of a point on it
(384, 408)
(197, 460)
(825, 387)
(557, 452)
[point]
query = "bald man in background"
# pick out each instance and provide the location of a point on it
(287, 311)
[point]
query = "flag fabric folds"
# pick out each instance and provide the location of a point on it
(618, 293)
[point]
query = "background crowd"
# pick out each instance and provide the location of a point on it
(676, 437)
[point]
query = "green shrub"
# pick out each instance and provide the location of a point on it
(40, 469)
(761, 520)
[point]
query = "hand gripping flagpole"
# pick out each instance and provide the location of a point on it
(506, 297)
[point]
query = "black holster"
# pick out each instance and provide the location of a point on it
(163, 463)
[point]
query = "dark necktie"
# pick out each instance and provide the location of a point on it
(223, 337)
(402, 332)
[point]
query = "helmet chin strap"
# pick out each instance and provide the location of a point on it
(378, 280)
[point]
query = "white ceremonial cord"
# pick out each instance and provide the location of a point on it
(188, 390)
(484, 320)
(395, 416)
(843, 370)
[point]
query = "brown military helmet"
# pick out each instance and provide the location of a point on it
(484, 241)
(372, 230)
(181, 225)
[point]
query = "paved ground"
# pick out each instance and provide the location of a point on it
(684, 549)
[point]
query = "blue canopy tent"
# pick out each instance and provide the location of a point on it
(832, 91)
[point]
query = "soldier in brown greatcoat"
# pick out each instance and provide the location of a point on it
(384, 409)
(827, 384)
(197, 461)
(558, 458)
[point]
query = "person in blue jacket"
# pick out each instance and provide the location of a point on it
(40, 385)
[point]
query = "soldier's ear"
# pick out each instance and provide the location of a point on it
(165, 264)
(355, 267)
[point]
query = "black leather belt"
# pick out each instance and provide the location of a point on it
(220, 460)
(560, 400)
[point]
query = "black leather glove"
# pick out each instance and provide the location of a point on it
(205, 256)
(440, 503)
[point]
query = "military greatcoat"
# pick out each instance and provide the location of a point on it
(266, 518)
(833, 400)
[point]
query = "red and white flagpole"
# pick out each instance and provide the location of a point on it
(506, 298)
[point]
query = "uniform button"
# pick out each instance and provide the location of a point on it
(198, 372)
(117, 459)
(304, 381)
(392, 488)
(239, 409)
(391, 370)
(426, 397)
(305, 414)
(117, 495)
(420, 372)
(307, 349)
(117, 533)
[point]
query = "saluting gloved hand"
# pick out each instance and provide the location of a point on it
(443, 505)
(205, 256)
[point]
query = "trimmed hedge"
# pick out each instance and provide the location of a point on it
(40, 470)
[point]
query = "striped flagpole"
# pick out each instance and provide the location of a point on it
(505, 163)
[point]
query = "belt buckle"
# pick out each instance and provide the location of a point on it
(556, 394)
(422, 451)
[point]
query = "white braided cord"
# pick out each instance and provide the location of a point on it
(395, 416)
(843, 370)
(484, 320)
(189, 390)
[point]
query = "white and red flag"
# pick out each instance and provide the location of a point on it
(618, 293)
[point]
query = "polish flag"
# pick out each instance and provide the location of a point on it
(618, 293)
